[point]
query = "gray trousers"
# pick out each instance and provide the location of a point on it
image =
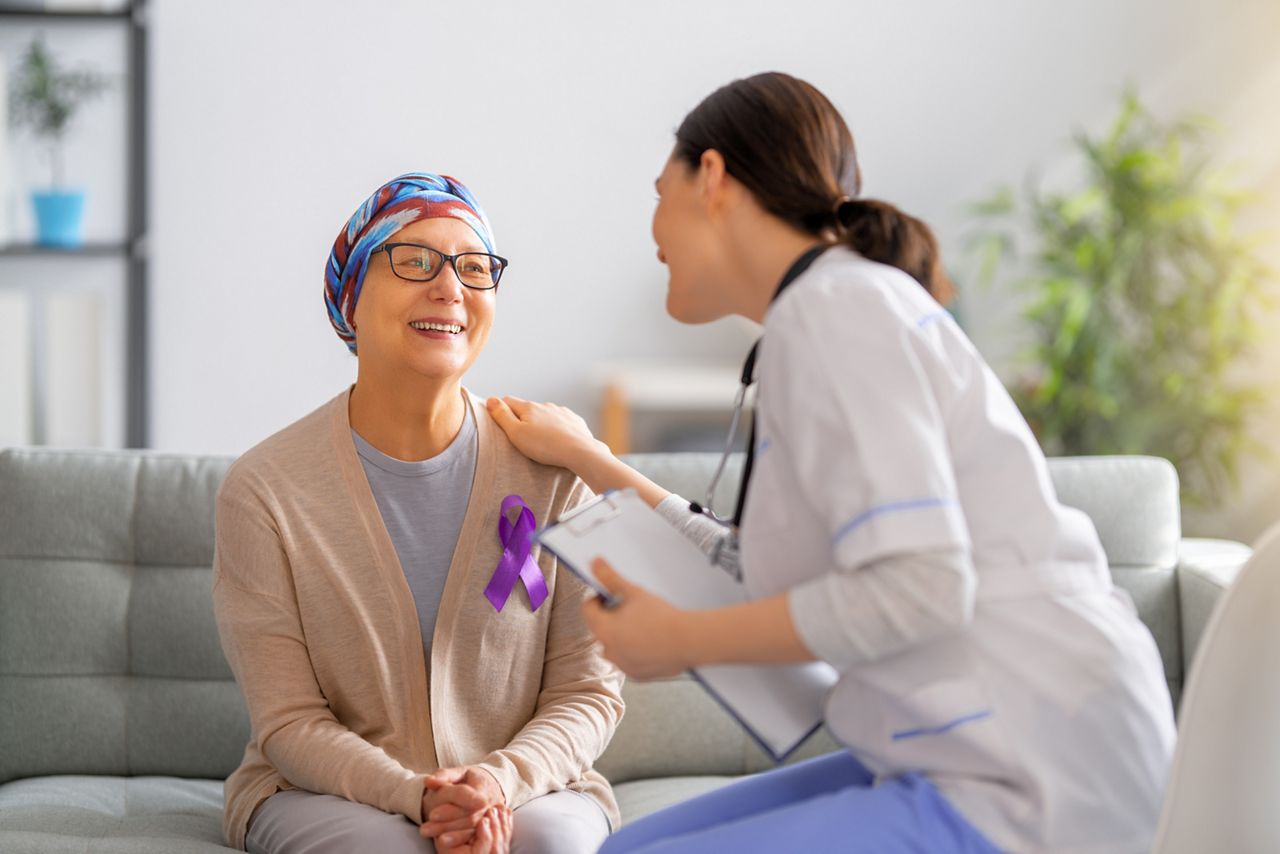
(296, 821)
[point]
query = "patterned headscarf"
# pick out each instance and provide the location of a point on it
(400, 201)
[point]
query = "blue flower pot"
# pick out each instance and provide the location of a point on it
(59, 214)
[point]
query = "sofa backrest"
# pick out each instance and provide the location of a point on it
(109, 654)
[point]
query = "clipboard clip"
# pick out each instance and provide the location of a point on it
(593, 513)
(582, 519)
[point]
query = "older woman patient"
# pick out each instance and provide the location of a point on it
(415, 677)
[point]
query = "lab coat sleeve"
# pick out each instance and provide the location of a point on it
(702, 531)
(857, 406)
(851, 616)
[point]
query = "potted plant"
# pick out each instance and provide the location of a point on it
(1141, 299)
(45, 98)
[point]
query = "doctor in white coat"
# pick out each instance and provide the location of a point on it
(997, 693)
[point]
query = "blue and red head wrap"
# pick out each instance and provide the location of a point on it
(400, 201)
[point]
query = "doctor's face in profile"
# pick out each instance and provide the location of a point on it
(688, 244)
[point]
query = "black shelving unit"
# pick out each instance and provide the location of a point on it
(86, 250)
(133, 17)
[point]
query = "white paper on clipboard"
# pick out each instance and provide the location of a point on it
(778, 705)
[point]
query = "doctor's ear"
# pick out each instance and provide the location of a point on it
(713, 178)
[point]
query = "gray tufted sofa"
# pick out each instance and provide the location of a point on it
(119, 717)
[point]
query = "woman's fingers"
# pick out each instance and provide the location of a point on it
(462, 796)
(450, 808)
(449, 820)
(506, 823)
(491, 835)
(500, 828)
(447, 812)
(444, 776)
(455, 840)
(484, 839)
(439, 828)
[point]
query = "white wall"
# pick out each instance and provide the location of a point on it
(273, 120)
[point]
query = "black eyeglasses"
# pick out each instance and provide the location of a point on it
(417, 263)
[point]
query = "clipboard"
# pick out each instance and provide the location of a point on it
(779, 705)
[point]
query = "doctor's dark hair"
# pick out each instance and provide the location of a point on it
(786, 143)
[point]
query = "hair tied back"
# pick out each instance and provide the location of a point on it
(846, 211)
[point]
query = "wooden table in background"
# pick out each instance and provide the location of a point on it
(669, 389)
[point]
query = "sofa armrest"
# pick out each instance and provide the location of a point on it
(1206, 568)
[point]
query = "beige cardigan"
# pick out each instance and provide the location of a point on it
(320, 629)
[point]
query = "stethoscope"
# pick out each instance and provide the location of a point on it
(725, 552)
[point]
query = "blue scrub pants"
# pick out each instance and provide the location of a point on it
(823, 804)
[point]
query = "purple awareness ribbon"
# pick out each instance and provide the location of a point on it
(516, 562)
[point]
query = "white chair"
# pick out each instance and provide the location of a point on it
(1224, 788)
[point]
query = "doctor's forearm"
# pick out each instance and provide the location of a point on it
(759, 632)
(601, 471)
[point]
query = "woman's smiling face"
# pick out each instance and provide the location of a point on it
(393, 316)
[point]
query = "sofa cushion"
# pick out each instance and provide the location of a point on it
(696, 736)
(1154, 591)
(673, 728)
(641, 797)
(1206, 568)
(88, 815)
(109, 654)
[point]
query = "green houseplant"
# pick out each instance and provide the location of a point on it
(1141, 298)
(46, 97)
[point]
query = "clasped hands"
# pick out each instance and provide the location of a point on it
(465, 812)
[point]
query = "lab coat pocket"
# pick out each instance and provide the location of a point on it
(948, 726)
(940, 708)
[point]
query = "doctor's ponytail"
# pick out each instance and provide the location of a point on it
(786, 143)
(881, 232)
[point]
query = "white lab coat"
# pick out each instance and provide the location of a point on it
(903, 502)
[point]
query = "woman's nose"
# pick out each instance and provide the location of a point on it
(445, 287)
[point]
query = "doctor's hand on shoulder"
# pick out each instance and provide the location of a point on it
(545, 432)
(555, 435)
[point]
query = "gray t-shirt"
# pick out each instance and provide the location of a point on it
(423, 504)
